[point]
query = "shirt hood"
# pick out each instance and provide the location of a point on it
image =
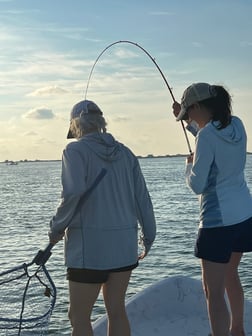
(233, 133)
(103, 145)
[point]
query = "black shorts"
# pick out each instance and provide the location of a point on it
(217, 244)
(84, 275)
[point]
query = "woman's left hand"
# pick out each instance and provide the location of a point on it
(142, 255)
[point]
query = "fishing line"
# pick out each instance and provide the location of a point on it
(160, 71)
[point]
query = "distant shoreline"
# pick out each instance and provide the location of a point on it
(149, 156)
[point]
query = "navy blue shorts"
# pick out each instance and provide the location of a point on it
(84, 275)
(217, 244)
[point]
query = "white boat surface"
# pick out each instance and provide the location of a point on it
(173, 306)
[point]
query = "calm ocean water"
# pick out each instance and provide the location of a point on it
(30, 193)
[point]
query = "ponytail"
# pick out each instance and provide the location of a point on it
(219, 105)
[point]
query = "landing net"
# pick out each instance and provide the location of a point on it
(27, 298)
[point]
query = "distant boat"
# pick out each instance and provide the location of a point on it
(173, 306)
(11, 163)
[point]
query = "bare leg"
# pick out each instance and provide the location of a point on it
(235, 295)
(114, 291)
(82, 299)
(213, 275)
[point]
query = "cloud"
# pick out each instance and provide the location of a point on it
(31, 133)
(39, 113)
(121, 119)
(246, 43)
(49, 90)
(6, 36)
(124, 53)
(197, 44)
(162, 13)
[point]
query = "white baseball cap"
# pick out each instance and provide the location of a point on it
(82, 108)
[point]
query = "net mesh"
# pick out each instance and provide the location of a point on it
(27, 298)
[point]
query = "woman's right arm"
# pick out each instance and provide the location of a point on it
(73, 183)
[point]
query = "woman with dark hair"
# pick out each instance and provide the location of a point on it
(101, 235)
(216, 172)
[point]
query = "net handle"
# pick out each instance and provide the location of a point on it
(43, 255)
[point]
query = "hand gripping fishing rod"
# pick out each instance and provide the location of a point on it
(160, 71)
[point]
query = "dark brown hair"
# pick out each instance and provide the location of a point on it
(219, 105)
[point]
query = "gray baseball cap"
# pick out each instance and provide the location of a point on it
(193, 94)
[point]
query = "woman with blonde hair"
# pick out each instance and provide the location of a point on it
(101, 236)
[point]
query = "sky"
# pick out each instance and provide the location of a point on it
(48, 48)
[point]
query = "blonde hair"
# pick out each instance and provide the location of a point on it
(88, 123)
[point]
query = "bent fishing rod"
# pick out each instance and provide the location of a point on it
(157, 66)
